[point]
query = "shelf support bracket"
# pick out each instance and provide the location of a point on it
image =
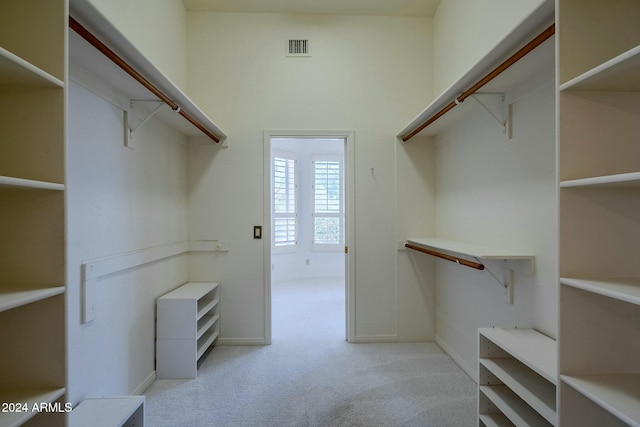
(502, 116)
(507, 283)
(129, 129)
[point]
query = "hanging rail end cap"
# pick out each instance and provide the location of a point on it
(177, 109)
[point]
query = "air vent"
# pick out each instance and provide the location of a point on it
(298, 47)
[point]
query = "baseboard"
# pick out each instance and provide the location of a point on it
(456, 358)
(240, 341)
(365, 339)
(144, 385)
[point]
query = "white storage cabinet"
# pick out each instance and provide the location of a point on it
(517, 378)
(187, 325)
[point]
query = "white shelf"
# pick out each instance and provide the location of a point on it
(205, 342)
(617, 393)
(205, 306)
(11, 182)
(95, 63)
(618, 74)
(514, 408)
(536, 351)
(188, 323)
(539, 393)
(469, 249)
(495, 420)
(623, 289)
(13, 299)
(622, 180)
(108, 412)
(28, 397)
(534, 68)
(191, 290)
(205, 324)
(15, 71)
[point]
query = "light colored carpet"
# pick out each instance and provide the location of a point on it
(310, 376)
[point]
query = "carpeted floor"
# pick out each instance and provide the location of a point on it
(310, 376)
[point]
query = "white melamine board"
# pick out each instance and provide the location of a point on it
(538, 63)
(514, 408)
(623, 289)
(9, 300)
(468, 249)
(205, 306)
(11, 182)
(617, 393)
(205, 342)
(28, 397)
(15, 71)
(96, 63)
(191, 290)
(204, 324)
(631, 179)
(618, 74)
(495, 420)
(532, 388)
(529, 346)
(106, 411)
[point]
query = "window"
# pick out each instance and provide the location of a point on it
(328, 211)
(284, 202)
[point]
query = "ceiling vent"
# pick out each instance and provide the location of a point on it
(298, 47)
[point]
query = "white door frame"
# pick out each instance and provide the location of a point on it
(349, 161)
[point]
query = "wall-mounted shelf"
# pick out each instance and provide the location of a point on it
(470, 250)
(534, 69)
(460, 252)
(88, 64)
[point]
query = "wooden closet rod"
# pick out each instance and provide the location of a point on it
(486, 79)
(451, 258)
(102, 48)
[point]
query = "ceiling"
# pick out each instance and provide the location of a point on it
(332, 7)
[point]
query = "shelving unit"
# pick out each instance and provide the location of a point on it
(599, 172)
(32, 191)
(90, 68)
(517, 377)
(187, 325)
(118, 411)
(524, 76)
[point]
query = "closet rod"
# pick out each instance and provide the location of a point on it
(486, 79)
(451, 258)
(102, 48)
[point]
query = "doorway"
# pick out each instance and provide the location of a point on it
(308, 228)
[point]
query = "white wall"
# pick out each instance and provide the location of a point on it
(304, 262)
(119, 200)
(367, 74)
(465, 30)
(499, 194)
(158, 28)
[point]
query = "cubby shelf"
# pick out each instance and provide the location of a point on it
(617, 393)
(623, 289)
(517, 376)
(28, 398)
(617, 74)
(15, 71)
(7, 182)
(599, 197)
(9, 300)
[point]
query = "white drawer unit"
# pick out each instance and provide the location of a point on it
(188, 323)
(517, 378)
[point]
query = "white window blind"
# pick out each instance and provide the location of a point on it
(284, 201)
(328, 211)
